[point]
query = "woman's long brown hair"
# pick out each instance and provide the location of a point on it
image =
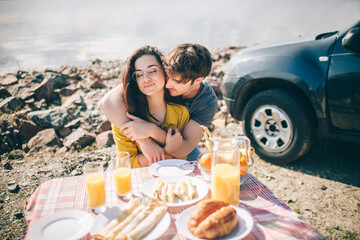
(135, 101)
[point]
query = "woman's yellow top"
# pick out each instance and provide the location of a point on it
(177, 116)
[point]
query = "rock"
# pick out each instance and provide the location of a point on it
(57, 80)
(9, 80)
(98, 84)
(44, 90)
(63, 132)
(43, 138)
(7, 166)
(52, 118)
(18, 214)
(79, 139)
(105, 139)
(13, 187)
(104, 126)
(74, 105)
(28, 129)
(11, 104)
(16, 154)
(4, 93)
(323, 187)
(68, 91)
(73, 124)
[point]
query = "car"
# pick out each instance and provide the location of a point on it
(292, 94)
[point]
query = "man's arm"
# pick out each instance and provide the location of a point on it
(192, 135)
(113, 106)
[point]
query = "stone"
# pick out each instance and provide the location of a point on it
(104, 126)
(43, 138)
(68, 91)
(57, 80)
(44, 90)
(9, 80)
(4, 93)
(16, 154)
(63, 132)
(79, 139)
(74, 105)
(13, 187)
(7, 166)
(11, 104)
(18, 214)
(28, 129)
(105, 139)
(51, 118)
(98, 84)
(73, 124)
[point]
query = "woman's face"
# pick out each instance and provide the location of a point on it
(149, 75)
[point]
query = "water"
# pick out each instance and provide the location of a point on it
(37, 34)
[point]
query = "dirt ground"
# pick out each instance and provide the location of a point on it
(324, 187)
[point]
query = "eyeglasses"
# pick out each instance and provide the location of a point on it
(139, 75)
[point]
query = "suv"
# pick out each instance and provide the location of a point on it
(289, 94)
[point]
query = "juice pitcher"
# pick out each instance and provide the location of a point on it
(225, 167)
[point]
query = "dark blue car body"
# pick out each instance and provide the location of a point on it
(320, 77)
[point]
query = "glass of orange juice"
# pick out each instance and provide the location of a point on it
(122, 175)
(225, 168)
(95, 185)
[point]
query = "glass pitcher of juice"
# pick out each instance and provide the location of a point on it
(225, 167)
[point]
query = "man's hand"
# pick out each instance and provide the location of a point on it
(173, 140)
(136, 129)
(151, 150)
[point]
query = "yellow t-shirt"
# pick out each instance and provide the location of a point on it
(177, 116)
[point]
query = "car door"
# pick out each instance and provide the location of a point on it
(343, 89)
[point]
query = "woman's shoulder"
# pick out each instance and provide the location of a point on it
(177, 107)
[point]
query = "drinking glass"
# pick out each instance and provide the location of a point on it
(95, 185)
(122, 175)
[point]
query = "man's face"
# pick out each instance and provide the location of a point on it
(176, 88)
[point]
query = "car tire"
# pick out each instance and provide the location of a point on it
(278, 125)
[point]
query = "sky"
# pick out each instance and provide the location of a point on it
(36, 33)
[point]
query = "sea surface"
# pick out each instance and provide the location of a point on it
(35, 34)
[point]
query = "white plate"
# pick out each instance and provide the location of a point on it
(201, 188)
(173, 167)
(243, 228)
(102, 219)
(62, 225)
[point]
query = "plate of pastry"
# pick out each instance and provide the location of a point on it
(176, 191)
(190, 223)
(140, 218)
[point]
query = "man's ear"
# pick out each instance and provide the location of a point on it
(199, 79)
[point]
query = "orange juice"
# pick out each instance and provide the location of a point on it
(95, 184)
(122, 178)
(225, 183)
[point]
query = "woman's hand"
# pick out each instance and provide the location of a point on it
(173, 140)
(137, 128)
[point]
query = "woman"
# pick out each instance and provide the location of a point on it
(145, 97)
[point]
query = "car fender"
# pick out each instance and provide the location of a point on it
(250, 72)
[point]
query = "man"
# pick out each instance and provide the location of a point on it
(186, 65)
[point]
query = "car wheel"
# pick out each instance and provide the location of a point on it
(278, 125)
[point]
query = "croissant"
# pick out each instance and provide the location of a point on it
(212, 219)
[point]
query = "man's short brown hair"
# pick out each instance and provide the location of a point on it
(188, 61)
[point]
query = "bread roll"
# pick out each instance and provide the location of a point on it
(212, 219)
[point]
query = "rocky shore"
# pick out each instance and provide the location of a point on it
(50, 125)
